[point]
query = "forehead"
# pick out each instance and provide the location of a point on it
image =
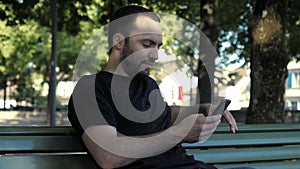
(146, 25)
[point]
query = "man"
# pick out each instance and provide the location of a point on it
(120, 112)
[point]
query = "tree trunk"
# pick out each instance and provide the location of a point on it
(51, 109)
(4, 93)
(268, 62)
(209, 28)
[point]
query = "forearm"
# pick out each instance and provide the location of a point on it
(105, 159)
(112, 151)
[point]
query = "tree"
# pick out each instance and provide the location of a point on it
(204, 72)
(233, 23)
(268, 62)
(222, 22)
(28, 24)
(21, 46)
(292, 28)
(78, 19)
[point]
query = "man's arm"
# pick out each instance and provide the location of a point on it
(111, 150)
(104, 159)
(180, 112)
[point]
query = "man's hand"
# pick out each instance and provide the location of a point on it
(231, 121)
(203, 127)
(209, 108)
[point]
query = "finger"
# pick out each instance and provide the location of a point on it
(209, 128)
(212, 119)
(206, 132)
(231, 121)
(234, 127)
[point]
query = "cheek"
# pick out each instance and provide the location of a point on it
(136, 60)
(140, 55)
(144, 54)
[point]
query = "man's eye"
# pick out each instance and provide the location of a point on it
(147, 44)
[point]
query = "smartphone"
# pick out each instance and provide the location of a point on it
(221, 107)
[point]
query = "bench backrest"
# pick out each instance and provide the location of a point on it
(266, 145)
(66, 139)
(39, 139)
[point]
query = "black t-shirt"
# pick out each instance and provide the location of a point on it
(147, 113)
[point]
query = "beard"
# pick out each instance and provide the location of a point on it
(126, 50)
(131, 70)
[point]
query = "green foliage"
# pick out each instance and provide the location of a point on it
(25, 42)
(21, 46)
(233, 17)
(25, 37)
(234, 20)
(293, 27)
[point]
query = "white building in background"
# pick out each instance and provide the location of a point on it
(176, 83)
(239, 89)
(176, 87)
(292, 93)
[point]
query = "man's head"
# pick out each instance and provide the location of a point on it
(136, 32)
(123, 21)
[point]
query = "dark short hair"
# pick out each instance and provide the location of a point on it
(125, 26)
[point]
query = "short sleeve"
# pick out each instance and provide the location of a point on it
(89, 105)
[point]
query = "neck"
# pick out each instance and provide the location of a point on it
(113, 63)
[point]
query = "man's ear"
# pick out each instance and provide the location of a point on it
(118, 41)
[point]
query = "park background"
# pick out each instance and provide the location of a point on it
(257, 41)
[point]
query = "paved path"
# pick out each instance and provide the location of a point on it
(31, 118)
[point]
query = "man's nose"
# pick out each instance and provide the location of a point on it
(154, 53)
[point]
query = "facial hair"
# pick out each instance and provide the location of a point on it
(127, 51)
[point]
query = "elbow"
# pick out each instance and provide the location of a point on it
(106, 164)
(102, 157)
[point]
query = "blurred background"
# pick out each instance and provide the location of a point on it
(257, 68)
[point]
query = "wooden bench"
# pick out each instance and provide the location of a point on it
(42, 148)
(262, 146)
(270, 146)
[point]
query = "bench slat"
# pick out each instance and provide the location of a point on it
(47, 162)
(11, 130)
(9, 144)
(248, 128)
(248, 139)
(229, 155)
(41, 130)
(259, 144)
(84, 162)
(266, 165)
